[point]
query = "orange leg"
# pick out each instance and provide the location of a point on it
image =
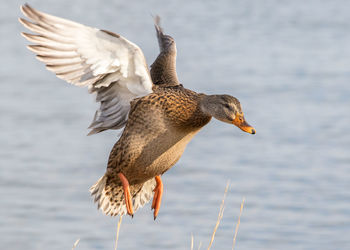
(158, 193)
(127, 194)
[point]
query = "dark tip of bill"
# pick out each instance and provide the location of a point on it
(253, 131)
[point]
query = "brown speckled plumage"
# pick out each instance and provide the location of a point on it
(156, 123)
(157, 131)
(160, 115)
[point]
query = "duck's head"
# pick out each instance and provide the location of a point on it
(226, 108)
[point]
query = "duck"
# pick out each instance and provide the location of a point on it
(157, 114)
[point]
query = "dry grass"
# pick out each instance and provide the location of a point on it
(75, 244)
(221, 213)
(200, 244)
(118, 229)
(237, 226)
(191, 241)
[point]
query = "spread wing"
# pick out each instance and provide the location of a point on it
(106, 63)
(163, 70)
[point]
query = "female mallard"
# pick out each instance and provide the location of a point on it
(160, 115)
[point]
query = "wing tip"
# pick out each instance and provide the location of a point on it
(32, 48)
(27, 24)
(157, 20)
(94, 131)
(157, 25)
(22, 21)
(26, 9)
(26, 35)
(22, 7)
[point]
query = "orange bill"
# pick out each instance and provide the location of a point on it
(240, 122)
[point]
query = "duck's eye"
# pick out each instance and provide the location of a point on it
(227, 106)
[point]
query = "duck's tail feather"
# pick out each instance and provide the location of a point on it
(109, 195)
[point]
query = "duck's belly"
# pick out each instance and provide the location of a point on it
(159, 156)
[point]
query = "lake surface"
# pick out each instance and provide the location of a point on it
(288, 62)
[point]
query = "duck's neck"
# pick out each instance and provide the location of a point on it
(207, 104)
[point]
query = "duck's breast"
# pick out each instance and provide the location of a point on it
(162, 153)
(158, 130)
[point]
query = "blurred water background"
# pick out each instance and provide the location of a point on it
(288, 62)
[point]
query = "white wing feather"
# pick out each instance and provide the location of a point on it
(107, 63)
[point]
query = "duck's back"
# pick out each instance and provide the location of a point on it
(158, 129)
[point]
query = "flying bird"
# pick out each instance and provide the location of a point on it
(158, 114)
